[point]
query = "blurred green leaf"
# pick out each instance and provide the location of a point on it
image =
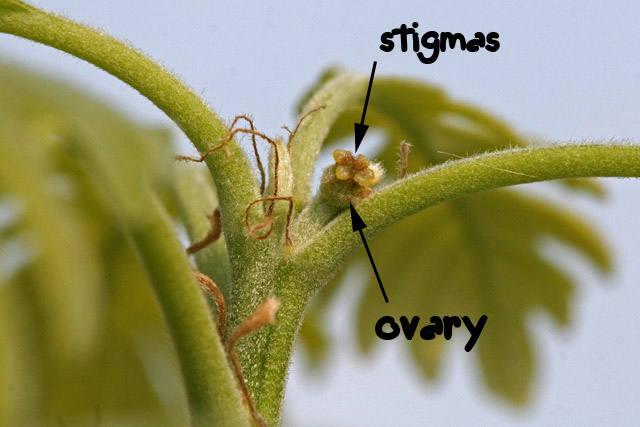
(79, 307)
(473, 256)
(195, 198)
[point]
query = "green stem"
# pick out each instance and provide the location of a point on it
(213, 394)
(301, 274)
(316, 214)
(234, 179)
(269, 387)
(454, 179)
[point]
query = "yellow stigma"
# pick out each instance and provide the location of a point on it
(361, 162)
(343, 172)
(342, 157)
(357, 169)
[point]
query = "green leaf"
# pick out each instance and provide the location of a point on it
(234, 177)
(195, 198)
(479, 255)
(82, 320)
(472, 256)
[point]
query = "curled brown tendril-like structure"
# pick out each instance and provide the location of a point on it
(264, 229)
(225, 142)
(211, 289)
(268, 223)
(293, 134)
(211, 237)
(255, 150)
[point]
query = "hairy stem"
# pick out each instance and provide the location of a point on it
(455, 179)
(213, 394)
(302, 273)
(235, 181)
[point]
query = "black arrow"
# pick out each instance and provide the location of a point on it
(361, 128)
(358, 224)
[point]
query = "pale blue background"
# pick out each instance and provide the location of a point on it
(564, 71)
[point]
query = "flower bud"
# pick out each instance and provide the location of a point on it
(350, 180)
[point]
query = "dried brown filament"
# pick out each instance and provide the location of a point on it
(262, 230)
(405, 147)
(275, 148)
(255, 150)
(293, 134)
(225, 144)
(269, 221)
(205, 155)
(211, 289)
(212, 236)
(264, 314)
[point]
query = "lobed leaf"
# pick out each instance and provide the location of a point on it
(83, 318)
(472, 256)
